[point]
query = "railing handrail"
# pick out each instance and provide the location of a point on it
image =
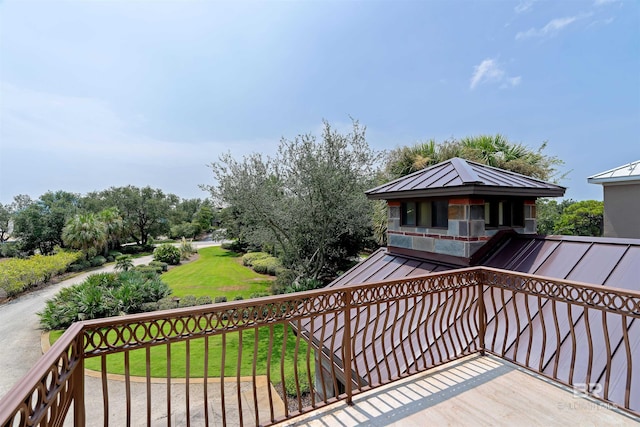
(483, 276)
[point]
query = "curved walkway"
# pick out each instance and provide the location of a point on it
(20, 329)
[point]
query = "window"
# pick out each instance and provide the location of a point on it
(425, 214)
(504, 213)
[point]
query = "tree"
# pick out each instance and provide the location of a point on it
(5, 222)
(39, 224)
(85, 232)
(306, 204)
(584, 218)
(114, 226)
(492, 150)
(548, 213)
(145, 211)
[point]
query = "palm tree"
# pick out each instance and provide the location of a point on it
(114, 226)
(85, 232)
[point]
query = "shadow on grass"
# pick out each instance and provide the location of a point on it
(228, 254)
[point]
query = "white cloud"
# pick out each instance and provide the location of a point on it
(489, 71)
(523, 6)
(552, 28)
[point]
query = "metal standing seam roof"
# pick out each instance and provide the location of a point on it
(458, 176)
(596, 261)
(628, 172)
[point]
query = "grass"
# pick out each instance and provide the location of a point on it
(158, 368)
(217, 272)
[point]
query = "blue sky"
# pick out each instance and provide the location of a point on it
(96, 94)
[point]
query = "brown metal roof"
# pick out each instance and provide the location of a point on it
(457, 176)
(597, 261)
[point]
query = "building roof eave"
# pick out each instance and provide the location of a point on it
(469, 190)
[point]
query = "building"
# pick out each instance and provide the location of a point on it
(621, 187)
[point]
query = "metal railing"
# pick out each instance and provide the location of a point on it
(265, 360)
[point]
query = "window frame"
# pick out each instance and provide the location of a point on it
(503, 213)
(418, 218)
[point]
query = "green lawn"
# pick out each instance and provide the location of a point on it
(217, 272)
(158, 368)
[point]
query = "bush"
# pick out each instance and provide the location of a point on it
(9, 250)
(186, 249)
(163, 265)
(102, 295)
(235, 246)
(188, 301)
(136, 249)
(249, 258)
(148, 269)
(238, 298)
(97, 261)
(80, 265)
(258, 295)
(167, 253)
(123, 263)
(267, 265)
(220, 299)
(17, 275)
(204, 300)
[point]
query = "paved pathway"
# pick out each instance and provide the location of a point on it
(20, 329)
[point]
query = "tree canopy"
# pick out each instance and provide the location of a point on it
(493, 150)
(306, 204)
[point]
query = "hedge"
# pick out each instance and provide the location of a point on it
(270, 265)
(18, 275)
(249, 258)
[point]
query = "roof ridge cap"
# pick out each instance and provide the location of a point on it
(464, 170)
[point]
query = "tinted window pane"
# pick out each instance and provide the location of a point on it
(440, 213)
(409, 213)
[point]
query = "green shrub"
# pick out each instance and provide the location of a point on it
(9, 249)
(204, 300)
(238, 298)
(290, 385)
(235, 246)
(17, 275)
(97, 261)
(136, 249)
(220, 299)
(163, 265)
(102, 295)
(188, 301)
(79, 265)
(149, 306)
(268, 265)
(259, 295)
(249, 258)
(148, 269)
(186, 249)
(167, 253)
(123, 263)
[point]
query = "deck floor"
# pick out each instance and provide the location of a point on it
(475, 391)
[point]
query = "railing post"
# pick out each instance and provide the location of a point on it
(346, 346)
(77, 384)
(482, 315)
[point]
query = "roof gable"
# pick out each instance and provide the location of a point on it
(458, 176)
